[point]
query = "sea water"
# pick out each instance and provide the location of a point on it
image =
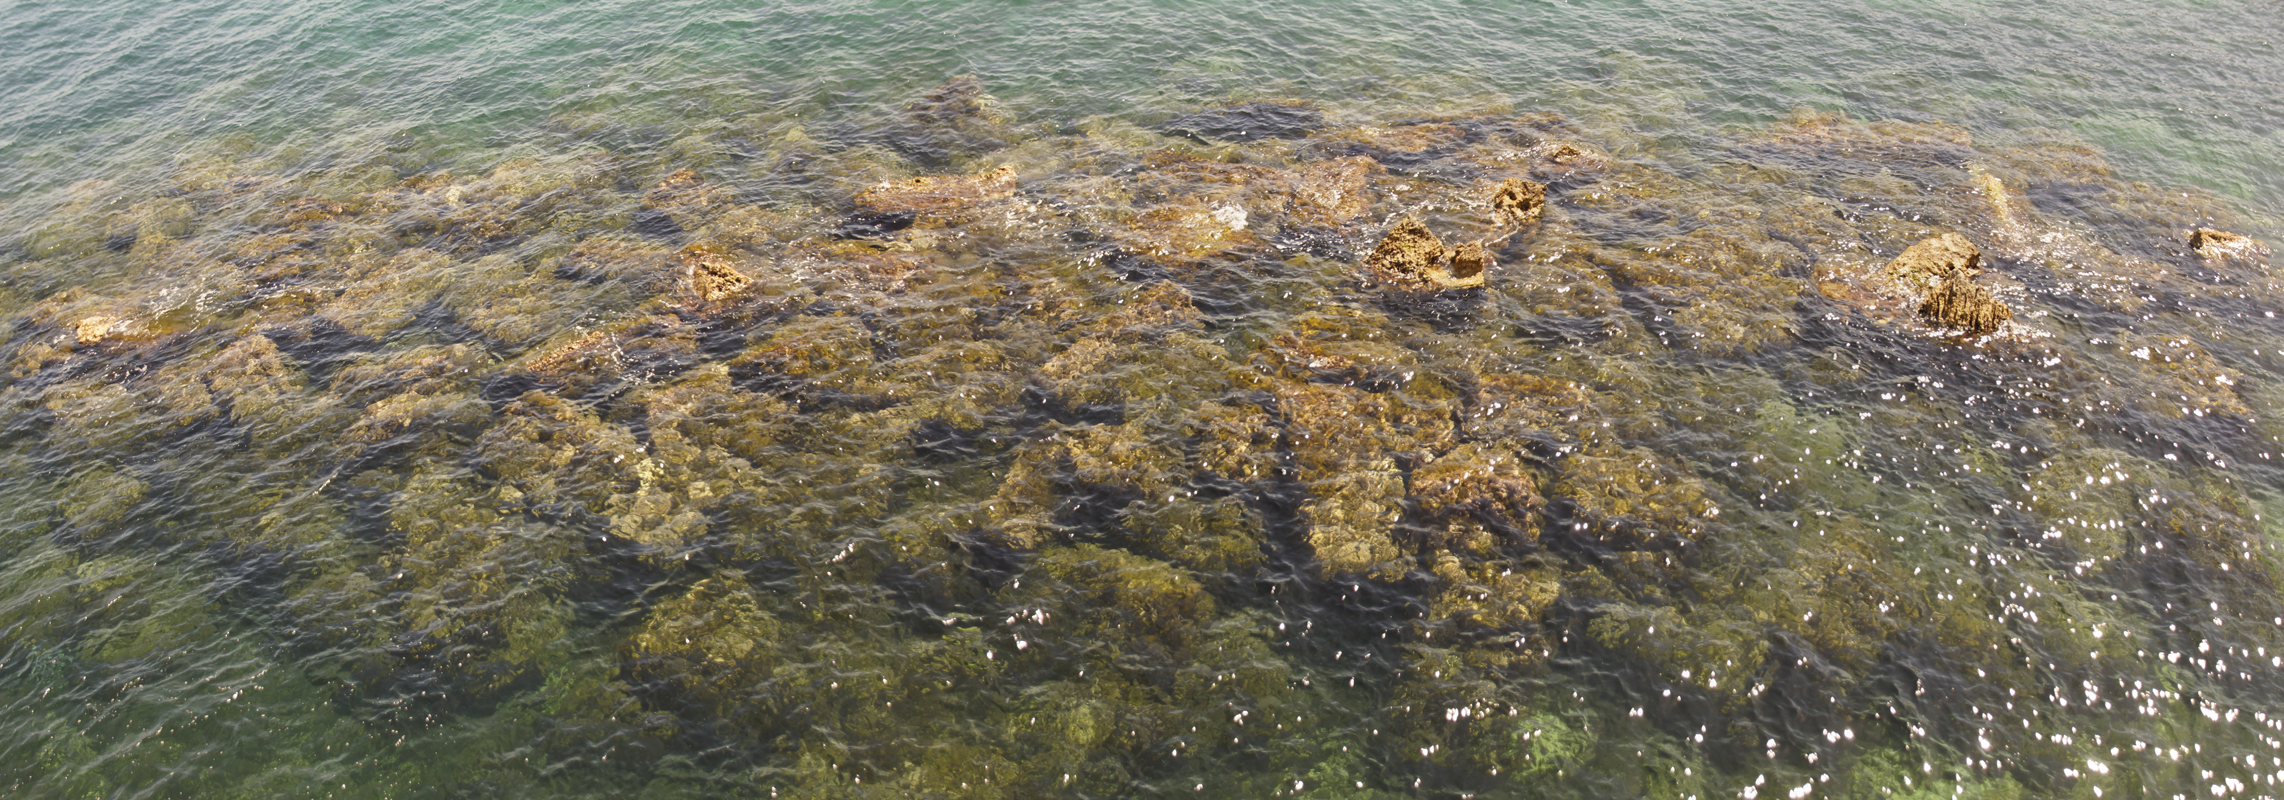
(371, 428)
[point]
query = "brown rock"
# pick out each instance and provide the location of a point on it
(1959, 303)
(1186, 230)
(1468, 263)
(1408, 253)
(685, 190)
(2213, 244)
(98, 328)
(1485, 484)
(1412, 257)
(1518, 202)
(710, 274)
(958, 100)
(1927, 265)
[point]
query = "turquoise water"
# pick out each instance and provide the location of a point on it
(369, 426)
(2173, 91)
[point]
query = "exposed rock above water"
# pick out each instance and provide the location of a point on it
(1961, 304)
(2214, 244)
(1518, 202)
(1942, 271)
(1411, 255)
(1924, 266)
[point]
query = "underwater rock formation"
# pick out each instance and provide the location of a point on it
(854, 466)
(1248, 121)
(937, 199)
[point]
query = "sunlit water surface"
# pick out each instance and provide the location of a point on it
(386, 415)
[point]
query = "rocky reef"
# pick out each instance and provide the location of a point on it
(992, 461)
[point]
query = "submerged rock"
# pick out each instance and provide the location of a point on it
(1484, 493)
(1332, 192)
(936, 197)
(949, 122)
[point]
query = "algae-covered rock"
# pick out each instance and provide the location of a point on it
(1119, 464)
(817, 360)
(552, 450)
(949, 122)
(713, 643)
(1352, 520)
(1138, 605)
(632, 261)
(137, 608)
(1234, 442)
(425, 370)
(1187, 229)
(1486, 493)
(1495, 594)
(686, 201)
(710, 275)
(1961, 304)
(605, 362)
(100, 497)
(1222, 536)
(1633, 498)
(2213, 244)
(381, 296)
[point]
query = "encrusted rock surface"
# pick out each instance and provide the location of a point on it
(1961, 304)
(2210, 243)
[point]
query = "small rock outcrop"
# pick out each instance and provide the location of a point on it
(710, 274)
(1518, 202)
(1960, 303)
(1411, 256)
(2214, 244)
(1939, 273)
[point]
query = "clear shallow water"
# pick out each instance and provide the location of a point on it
(286, 520)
